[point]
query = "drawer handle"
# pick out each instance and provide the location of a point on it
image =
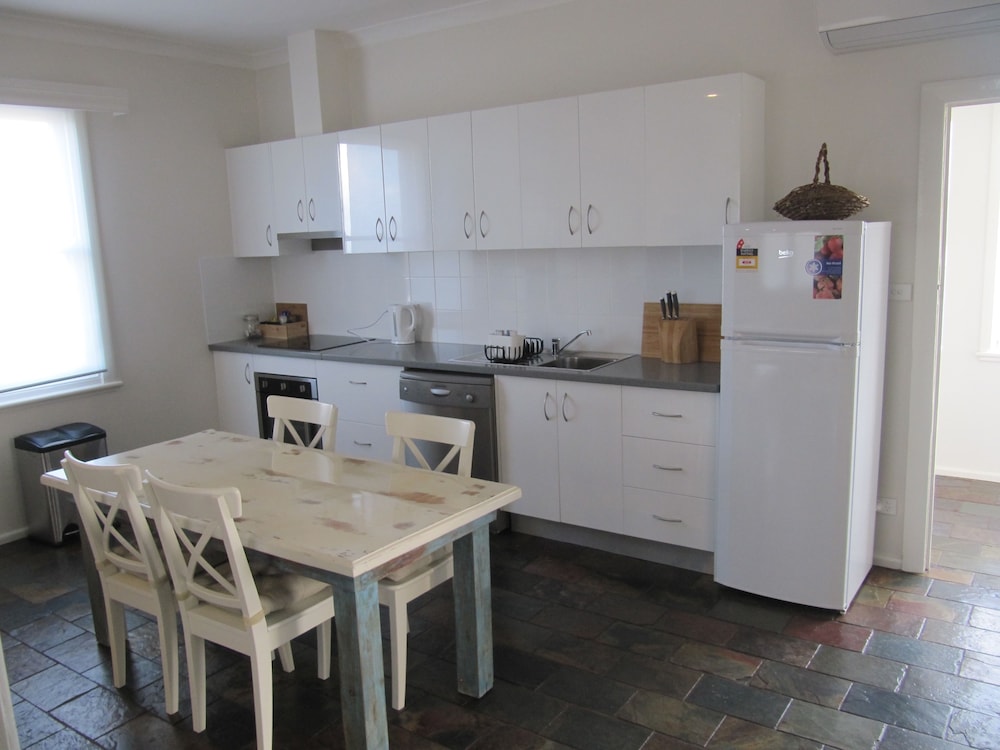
(668, 468)
(668, 520)
(668, 416)
(362, 445)
(358, 382)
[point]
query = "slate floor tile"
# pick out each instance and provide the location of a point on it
(977, 595)
(53, 687)
(587, 690)
(908, 651)
(898, 580)
(146, 731)
(898, 709)
(897, 738)
(23, 661)
(80, 653)
(774, 646)
(883, 618)
(754, 611)
(736, 734)
(97, 712)
(520, 668)
(672, 717)
(716, 660)
(512, 704)
(443, 722)
(586, 730)
(33, 724)
(962, 636)
(654, 675)
(866, 668)
(834, 728)
(580, 653)
(974, 729)
(831, 632)
(631, 609)
(641, 640)
(697, 627)
(573, 621)
(952, 690)
(502, 738)
(987, 619)
(46, 632)
(804, 684)
(981, 667)
(930, 607)
(742, 701)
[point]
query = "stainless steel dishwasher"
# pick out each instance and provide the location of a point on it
(465, 396)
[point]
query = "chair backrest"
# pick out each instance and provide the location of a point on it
(107, 500)
(285, 410)
(407, 427)
(188, 518)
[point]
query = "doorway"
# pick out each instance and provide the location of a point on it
(938, 101)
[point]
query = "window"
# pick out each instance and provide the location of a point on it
(55, 335)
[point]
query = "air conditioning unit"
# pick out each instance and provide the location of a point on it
(852, 25)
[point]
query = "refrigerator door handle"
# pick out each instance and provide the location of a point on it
(790, 344)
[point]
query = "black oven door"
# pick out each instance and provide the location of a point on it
(268, 384)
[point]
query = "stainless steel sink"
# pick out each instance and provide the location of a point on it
(583, 362)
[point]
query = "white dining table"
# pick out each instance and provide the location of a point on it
(349, 522)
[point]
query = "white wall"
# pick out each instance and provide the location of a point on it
(968, 427)
(162, 203)
(864, 105)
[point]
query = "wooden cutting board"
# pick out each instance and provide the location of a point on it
(708, 318)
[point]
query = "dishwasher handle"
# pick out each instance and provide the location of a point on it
(438, 391)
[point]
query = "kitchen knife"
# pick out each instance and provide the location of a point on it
(663, 307)
(670, 306)
(676, 305)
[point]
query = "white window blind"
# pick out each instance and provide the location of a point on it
(55, 336)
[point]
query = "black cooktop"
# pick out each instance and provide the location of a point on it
(313, 343)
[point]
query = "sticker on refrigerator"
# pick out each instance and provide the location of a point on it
(827, 266)
(746, 257)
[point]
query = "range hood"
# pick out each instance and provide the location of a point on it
(853, 25)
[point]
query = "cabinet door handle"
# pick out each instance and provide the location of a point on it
(300, 209)
(483, 217)
(267, 236)
(725, 210)
(312, 210)
(379, 230)
(467, 225)
(358, 382)
(565, 418)
(590, 210)
(246, 373)
(668, 468)
(569, 221)
(668, 416)
(362, 445)
(545, 406)
(668, 520)
(392, 228)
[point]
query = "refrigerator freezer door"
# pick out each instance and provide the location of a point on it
(787, 417)
(792, 281)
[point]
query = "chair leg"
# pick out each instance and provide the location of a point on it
(195, 648)
(285, 652)
(263, 699)
(323, 635)
(399, 626)
(116, 639)
(167, 623)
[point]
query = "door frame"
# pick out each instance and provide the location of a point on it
(936, 102)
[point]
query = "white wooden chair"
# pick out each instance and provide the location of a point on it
(130, 568)
(8, 726)
(285, 410)
(405, 584)
(229, 604)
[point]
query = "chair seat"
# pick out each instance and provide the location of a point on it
(417, 566)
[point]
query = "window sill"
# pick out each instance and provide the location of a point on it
(13, 400)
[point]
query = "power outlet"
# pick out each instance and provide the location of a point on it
(900, 292)
(886, 506)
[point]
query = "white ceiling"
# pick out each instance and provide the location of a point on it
(258, 27)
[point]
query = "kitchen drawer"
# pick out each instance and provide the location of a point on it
(275, 365)
(684, 416)
(361, 392)
(674, 519)
(663, 466)
(363, 440)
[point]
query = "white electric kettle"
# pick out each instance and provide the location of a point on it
(404, 323)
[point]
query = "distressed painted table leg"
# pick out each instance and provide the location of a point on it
(473, 613)
(362, 680)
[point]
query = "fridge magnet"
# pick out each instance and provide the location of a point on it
(746, 257)
(827, 266)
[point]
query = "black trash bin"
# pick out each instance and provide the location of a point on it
(49, 511)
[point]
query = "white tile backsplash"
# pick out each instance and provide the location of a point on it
(465, 295)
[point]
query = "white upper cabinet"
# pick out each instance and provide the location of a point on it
(704, 158)
(407, 180)
(324, 213)
(250, 200)
(549, 145)
(612, 164)
(289, 174)
(497, 178)
(453, 198)
(362, 191)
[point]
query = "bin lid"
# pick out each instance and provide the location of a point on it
(57, 438)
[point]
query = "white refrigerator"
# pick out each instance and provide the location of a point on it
(803, 355)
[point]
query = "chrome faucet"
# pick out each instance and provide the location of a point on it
(556, 348)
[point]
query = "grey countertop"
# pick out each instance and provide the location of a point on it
(635, 370)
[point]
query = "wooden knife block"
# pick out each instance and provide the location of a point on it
(708, 327)
(679, 341)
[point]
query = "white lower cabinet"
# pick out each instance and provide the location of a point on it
(668, 443)
(560, 442)
(362, 393)
(236, 394)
